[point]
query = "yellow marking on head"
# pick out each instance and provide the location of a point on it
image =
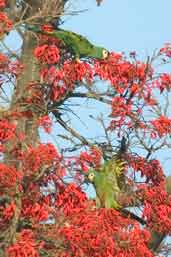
(105, 53)
(91, 176)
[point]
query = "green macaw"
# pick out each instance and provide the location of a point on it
(106, 183)
(78, 45)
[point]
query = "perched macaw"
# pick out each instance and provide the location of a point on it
(78, 45)
(106, 183)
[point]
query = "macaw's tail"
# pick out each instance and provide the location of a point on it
(33, 28)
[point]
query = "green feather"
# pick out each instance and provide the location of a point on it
(106, 183)
(78, 45)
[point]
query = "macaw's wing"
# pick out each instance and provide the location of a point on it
(79, 45)
(107, 190)
(114, 170)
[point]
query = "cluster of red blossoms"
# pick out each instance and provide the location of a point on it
(25, 245)
(71, 200)
(104, 233)
(9, 177)
(166, 50)
(5, 23)
(161, 126)
(157, 209)
(7, 130)
(37, 158)
(2, 3)
(46, 123)
(92, 159)
(36, 211)
(47, 54)
(62, 80)
(151, 170)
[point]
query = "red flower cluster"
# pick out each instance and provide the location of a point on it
(3, 59)
(8, 212)
(104, 233)
(25, 246)
(64, 79)
(164, 83)
(71, 200)
(36, 211)
(122, 74)
(15, 67)
(47, 28)
(166, 50)
(8, 177)
(161, 126)
(48, 54)
(5, 23)
(7, 130)
(157, 209)
(35, 97)
(96, 155)
(8, 67)
(152, 169)
(2, 3)
(46, 123)
(90, 159)
(45, 155)
(77, 71)
(120, 107)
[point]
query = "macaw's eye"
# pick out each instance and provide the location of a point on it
(105, 54)
(91, 176)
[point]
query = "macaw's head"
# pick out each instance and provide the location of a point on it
(105, 53)
(90, 176)
(100, 53)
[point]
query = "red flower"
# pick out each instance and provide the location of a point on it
(120, 108)
(7, 130)
(104, 233)
(157, 208)
(36, 211)
(9, 211)
(25, 246)
(161, 126)
(8, 176)
(47, 54)
(90, 159)
(45, 155)
(5, 23)
(47, 28)
(15, 68)
(3, 59)
(151, 169)
(166, 50)
(2, 3)
(71, 200)
(164, 82)
(46, 123)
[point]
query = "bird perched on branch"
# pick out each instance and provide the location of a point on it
(106, 184)
(78, 45)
